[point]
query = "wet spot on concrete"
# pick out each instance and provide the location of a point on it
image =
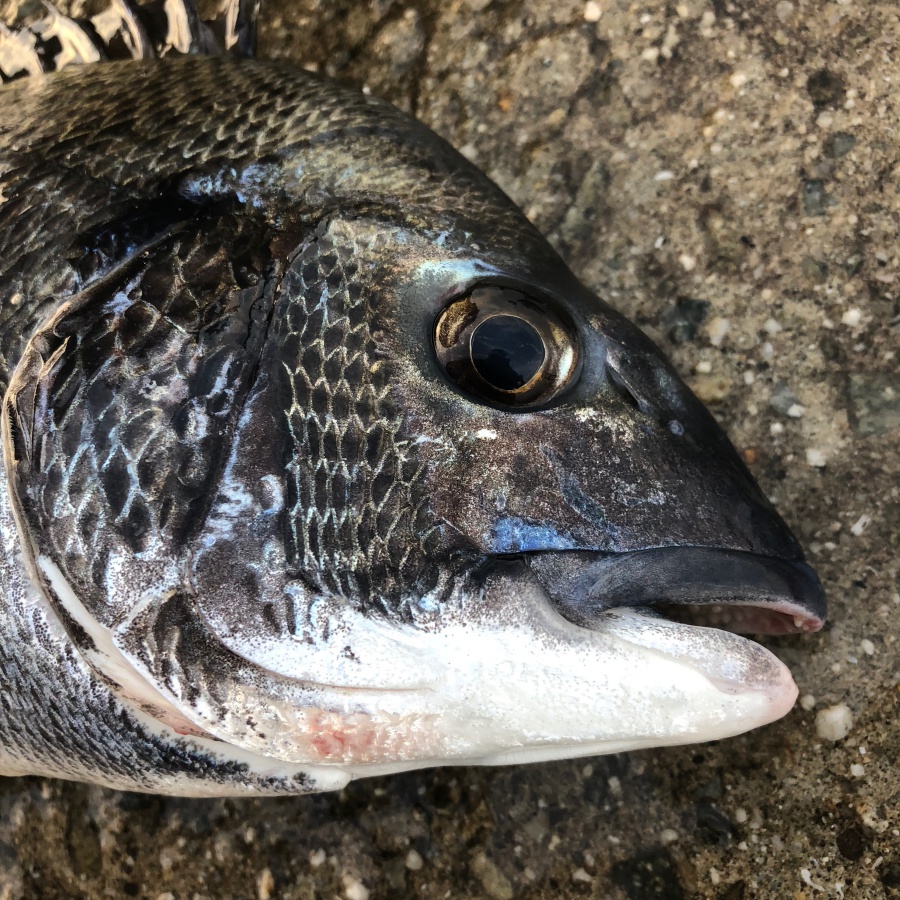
(684, 319)
(713, 826)
(890, 880)
(876, 402)
(735, 891)
(83, 842)
(852, 843)
(839, 144)
(826, 88)
(652, 874)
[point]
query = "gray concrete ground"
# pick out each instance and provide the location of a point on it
(727, 173)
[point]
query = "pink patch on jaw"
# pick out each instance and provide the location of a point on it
(190, 732)
(361, 738)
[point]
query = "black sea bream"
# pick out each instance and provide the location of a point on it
(318, 461)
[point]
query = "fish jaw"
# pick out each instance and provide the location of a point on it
(519, 683)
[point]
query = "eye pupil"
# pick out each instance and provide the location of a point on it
(507, 352)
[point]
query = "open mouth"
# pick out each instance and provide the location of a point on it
(744, 593)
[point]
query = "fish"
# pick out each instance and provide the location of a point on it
(318, 461)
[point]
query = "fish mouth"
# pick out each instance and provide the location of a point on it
(736, 591)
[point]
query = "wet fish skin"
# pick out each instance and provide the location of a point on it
(228, 440)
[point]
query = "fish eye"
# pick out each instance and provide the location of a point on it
(503, 347)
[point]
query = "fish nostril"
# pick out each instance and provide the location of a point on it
(659, 413)
(624, 390)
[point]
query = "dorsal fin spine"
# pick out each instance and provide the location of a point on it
(126, 30)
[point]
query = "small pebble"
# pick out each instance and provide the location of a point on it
(688, 263)
(740, 815)
(867, 647)
(816, 200)
(317, 858)
(710, 388)
(496, 885)
(839, 144)
(354, 889)
(581, 875)
(807, 702)
(851, 317)
(785, 401)
(860, 525)
(668, 836)
(806, 875)
(813, 269)
(834, 722)
(716, 330)
(815, 458)
(592, 11)
(414, 861)
(857, 771)
(784, 10)
(265, 884)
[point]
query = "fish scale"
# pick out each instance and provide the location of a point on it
(354, 494)
(266, 527)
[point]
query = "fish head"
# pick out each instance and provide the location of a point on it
(512, 532)
(341, 466)
(619, 545)
(460, 511)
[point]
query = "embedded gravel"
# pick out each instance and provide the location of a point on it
(727, 174)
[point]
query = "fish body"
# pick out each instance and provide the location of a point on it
(319, 462)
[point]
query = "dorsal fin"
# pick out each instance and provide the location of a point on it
(18, 56)
(236, 26)
(126, 30)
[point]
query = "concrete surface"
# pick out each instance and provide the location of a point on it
(727, 173)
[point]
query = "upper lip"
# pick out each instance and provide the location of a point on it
(729, 589)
